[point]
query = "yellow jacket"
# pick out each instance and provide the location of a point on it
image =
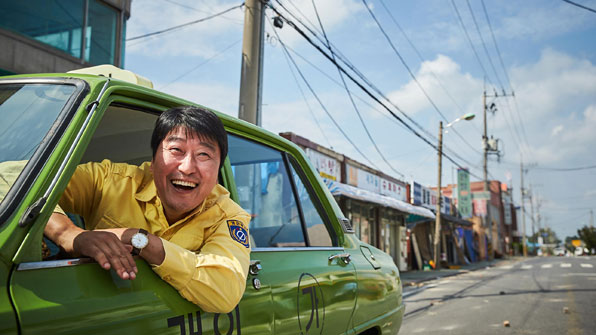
(207, 252)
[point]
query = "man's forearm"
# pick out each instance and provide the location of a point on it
(62, 231)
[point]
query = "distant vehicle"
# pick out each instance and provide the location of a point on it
(580, 251)
(309, 272)
(559, 251)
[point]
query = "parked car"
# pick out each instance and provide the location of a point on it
(559, 251)
(309, 272)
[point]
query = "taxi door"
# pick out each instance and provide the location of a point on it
(312, 279)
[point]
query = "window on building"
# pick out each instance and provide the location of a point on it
(61, 24)
(100, 44)
(271, 190)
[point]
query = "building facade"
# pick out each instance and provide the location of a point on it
(61, 35)
(376, 204)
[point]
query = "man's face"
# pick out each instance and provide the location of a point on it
(185, 170)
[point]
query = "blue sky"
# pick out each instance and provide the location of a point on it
(547, 47)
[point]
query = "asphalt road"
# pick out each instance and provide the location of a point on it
(541, 295)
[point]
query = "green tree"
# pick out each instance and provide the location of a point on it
(548, 235)
(568, 245)
(588, 235)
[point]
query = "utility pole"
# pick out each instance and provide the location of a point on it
(249, 107)
(591, 218)
(438, 214)
(487, 221)
(488, 147)
(532, 213)
(523, 211)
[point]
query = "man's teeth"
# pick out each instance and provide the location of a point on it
(184, 183)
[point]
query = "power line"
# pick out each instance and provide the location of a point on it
(186, 73)
(360, 85)
(580, 6)
(463, 26)
(350, 96)
(305, 100)
(566, 169)
(411, 73)
(184, 24)
(490, 61)
(492, 33)
(422, 58)
(321, 103)
(365, 80)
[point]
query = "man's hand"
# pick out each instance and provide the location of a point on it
(104, 246)
(108, 250)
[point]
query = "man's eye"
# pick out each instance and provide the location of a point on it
(175, 150)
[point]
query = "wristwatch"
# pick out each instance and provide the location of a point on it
(139, 240)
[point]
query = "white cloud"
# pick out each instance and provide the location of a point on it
(442, 80)
(557, 92)
(556, 130)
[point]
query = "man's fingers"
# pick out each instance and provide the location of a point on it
(121, 259)
(107, 249)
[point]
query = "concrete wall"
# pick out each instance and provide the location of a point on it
(20, 54)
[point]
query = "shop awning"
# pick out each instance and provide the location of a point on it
(339, 189)
(456, 220)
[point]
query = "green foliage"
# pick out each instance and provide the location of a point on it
(588, 235)
(548, 235)
(568, 245)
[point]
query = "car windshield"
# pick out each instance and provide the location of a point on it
(27, 112)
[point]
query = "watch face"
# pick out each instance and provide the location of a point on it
(139, 240)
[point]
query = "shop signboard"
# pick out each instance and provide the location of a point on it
(393, 190)
(464, 196)
(424, 196)
(416, 194)
(362, 179)
(327, 167)
(445, 205)
(507, 209)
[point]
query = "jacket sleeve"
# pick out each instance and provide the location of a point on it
(83, 192)
(215, 277)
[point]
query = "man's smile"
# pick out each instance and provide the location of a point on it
(184, 184)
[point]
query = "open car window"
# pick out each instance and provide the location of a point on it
(269, 188)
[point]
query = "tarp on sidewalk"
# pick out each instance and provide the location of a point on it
(340, 189)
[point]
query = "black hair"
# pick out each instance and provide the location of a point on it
(195, 120)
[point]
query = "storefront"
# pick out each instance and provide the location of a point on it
(377, 219)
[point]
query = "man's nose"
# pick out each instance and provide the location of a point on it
(187, 165)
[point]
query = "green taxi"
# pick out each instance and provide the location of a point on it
(309, 273)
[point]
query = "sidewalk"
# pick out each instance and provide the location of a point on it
(417, 277)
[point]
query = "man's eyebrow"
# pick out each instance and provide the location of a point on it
(176, 138)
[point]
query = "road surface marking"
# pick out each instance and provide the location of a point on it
(507, 267)
(546, 266)
(526, 267)
(583, 265)
(565, 265)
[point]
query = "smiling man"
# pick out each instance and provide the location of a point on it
(171, 212)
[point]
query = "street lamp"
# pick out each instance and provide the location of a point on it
(437, 240)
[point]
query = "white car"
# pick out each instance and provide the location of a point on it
(559, 251)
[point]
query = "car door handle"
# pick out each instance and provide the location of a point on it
(345, 257)
(255, 267)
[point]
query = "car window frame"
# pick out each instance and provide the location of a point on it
(312, 194)
(35, 164)
(289, 160)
